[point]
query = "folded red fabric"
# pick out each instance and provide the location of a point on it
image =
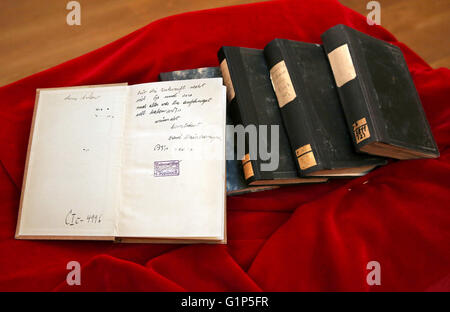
(308, 237)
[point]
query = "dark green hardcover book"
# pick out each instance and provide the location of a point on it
(380, 101)
(252, 101)
(312, 114)
(236, 183)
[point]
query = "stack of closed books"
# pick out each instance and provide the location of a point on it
(336, 109)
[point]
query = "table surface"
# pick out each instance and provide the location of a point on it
(34, 35)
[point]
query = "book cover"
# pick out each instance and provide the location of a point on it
(252, 101)
(311, 111)
(195, 73)
(382, 107)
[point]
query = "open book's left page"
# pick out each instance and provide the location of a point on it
(72, 179)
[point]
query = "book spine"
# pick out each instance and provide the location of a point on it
(342, 56)
(294, 118)
(237, 111)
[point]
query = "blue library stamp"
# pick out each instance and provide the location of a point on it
(167, 168)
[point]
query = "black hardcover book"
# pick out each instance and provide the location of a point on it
(311, 111)
(196, 73)
(236, 183)
(252, 101)
(380, 102)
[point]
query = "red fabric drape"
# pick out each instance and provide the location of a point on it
(308, 237)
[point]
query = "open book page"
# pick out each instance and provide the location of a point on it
(173, 169)
(73, 174)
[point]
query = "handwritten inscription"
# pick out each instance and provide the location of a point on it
(99, 111)
(72, 218)
(160, 147)
(86, 96)
(169, 107)
(168, 102)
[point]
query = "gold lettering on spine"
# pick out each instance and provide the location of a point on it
(361, 130)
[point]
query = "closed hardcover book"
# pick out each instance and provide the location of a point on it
(252, 102)
(382, 107)
(236, 184)
(311, 111)
(195, 73)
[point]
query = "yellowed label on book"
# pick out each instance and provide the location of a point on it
(282, 84)
(305, 156)
(302, 150)
(342, 65)
(361, 130)
(307, 161)
(246, 158)
(227, 80)
(248, 170)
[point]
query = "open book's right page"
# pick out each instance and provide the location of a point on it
(173, 167)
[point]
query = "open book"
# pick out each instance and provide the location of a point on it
(127, 163)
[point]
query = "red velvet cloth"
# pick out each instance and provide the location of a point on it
(308, 237)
